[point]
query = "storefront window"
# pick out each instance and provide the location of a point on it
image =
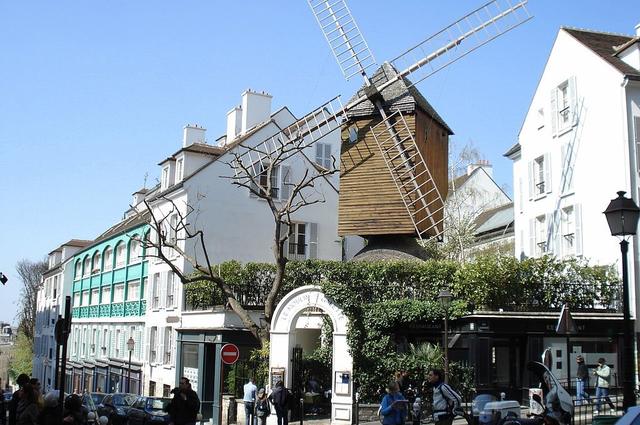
(190, 363)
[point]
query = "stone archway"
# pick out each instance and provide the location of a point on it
(286, 317)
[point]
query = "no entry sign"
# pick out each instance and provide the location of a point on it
(230, 353)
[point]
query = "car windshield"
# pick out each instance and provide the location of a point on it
(124, 399)
(158, 403)
(97, 397)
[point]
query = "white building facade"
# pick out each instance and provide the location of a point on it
(578, 146)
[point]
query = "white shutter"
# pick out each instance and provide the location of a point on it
(163, 290)
(313, 240)
(577, 216)
(554, 112)
(173, 347)
(112, 347)
(121, 343)
(532, 237)
(636, 133)
(573, 103)
(160, 349)
(147, 347)
(284, 230)
(285, 183)
(532, 181)
(138, 339)
(547, 173)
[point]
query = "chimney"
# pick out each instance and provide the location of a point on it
(256, 108)
(193, 134)
(482, 163)
(234, 124)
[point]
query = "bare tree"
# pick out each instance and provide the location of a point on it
(254, 169)
(31, 276)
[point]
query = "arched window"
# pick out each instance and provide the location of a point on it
(96, 263)
(121, 254)
(134, 250)
(108, 259)
(78, 271)
(86, 266)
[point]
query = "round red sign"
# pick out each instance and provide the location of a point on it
(230, 353)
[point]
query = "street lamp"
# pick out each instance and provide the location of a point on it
(46, 363)
(622, 216)
(131, 344)
(445, 299)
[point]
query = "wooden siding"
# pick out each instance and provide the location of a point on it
(369, 201)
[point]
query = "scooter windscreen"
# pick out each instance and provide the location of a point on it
(551, 387)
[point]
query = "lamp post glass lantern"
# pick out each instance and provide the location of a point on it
(131, 345)
(622, 217)
(445, 297)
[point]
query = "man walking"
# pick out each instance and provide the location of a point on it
(582, 381)
(280, 400)
(603, 374)
(249, 400)
(185, 405)
(447, 403)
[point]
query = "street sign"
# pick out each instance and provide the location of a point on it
(229, 353)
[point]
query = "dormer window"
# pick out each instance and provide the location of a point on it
(164, 182)
(179, 169)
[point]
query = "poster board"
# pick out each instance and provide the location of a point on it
(342, 383)
(277, 374)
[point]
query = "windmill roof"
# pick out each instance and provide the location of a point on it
(402, 95)
(607, 46)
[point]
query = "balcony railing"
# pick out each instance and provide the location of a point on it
(121, 309)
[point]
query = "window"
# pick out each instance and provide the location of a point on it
(87, 266)
(173, 229)
(135, 250)
(95, 294)
(105, 341)
(106, 294)
(297, 249)
(118, 292)
(353, 134)
(121, 254)
(94, 340)
(85, 297)
(153, 341)
(540, 118)
(264, 181)
(166, 390)
(168, 345)
(118, 337)
(78, 271)
(563, 106)
(179, 168)
(164, 182)
(84, 342)
(133, 290)
(539, 177)
(540, 235)
(155, 289)
(323, 155)
(568, 231)
(170, 290)
(96, 263)
(76, 299)
(108, 259)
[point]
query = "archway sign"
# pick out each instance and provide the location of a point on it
(286, 320)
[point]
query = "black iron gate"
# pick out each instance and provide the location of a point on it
(297, 383)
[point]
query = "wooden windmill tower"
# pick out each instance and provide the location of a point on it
(394, 154)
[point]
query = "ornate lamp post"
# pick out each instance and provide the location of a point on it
(622, 216)
(131, 344)
(46, 363)
(445, 298)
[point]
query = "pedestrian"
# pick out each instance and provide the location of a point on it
(22, 380)
(447, 403)
(73, 413)
(603, 374)
(393, 406)
(582, 381)
(249, 400)
(280, 400)
(263, 407)
(184, 406)
(27, 410)
(50, 415)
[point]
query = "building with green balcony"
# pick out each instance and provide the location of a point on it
(109, 305)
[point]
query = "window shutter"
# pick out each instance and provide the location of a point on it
(284, 230)
(554, 112)
(147, 347)
(573, 100)
(163, 290)
(532, 237)
(577, 212)
(313, 240)
(138, 338)
(168, 303)
(285, 184)
(636, 133)
(547, 173)
(112, 347)
(532, 182)
(253, 176)
(160, 346)
(319, 152)
(121, 346)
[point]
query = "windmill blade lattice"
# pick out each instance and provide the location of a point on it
(343, 35)
(461, 38)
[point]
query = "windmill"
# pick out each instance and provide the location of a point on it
(394, 154)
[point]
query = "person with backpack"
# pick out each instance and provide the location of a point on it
(393, 406)
(447, 403)
(280, 400)
(263, 407)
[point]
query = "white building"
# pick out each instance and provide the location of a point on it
(237, 226)
(50, 304)
(577, 147)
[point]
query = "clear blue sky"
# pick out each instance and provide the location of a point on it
(94, 94)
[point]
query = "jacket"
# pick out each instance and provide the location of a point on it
(603, 373)
(445, 401)
(184, 411)
(393, 415)
(583, 372)
(27, 413)
(280, 398)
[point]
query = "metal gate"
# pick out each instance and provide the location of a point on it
(297, 383)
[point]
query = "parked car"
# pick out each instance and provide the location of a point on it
(97, 397)
(115, 407)
(91, 401)
(148, 410)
